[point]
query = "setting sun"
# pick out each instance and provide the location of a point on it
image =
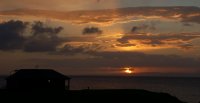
(130, 48)
(128, 70)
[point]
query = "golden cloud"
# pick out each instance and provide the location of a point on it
(110, 16)
(180, 40)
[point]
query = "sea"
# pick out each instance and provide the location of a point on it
(186, 89)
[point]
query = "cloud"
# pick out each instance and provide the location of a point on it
(92, 31)
(81, 49)
(186, 46)
(194, 18)
(11, 35)
(39, 28)
(143, 27)
(186, 14)
(71, 50)
(43, 39)
(160, 39)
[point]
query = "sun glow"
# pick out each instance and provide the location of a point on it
(128, 70)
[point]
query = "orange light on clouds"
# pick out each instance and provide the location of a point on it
(128, 48)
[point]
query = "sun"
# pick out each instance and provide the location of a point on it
(128, 70)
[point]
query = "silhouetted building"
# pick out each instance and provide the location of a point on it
(37, 79)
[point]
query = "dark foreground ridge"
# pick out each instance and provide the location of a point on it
(46, 85)
(89, 96)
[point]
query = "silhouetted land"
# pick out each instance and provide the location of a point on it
(46, 85)
(89, 96)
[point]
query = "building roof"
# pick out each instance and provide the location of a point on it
(37, 74)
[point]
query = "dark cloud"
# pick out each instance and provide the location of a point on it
(158, 39)
(143, 27)
(134, 29)
(71, 50)
(44, 38)
(154, 42)
(82, 49)
(11, 35)
(39, 28)
(92, 31)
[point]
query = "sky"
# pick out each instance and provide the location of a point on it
(101, 37)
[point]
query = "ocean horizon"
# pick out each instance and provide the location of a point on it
(185, 88)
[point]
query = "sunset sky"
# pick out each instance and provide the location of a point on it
(101, 37)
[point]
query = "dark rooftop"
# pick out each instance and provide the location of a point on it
(37, 73)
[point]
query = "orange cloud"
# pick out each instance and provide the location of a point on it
(110, 16)
(180, 40)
